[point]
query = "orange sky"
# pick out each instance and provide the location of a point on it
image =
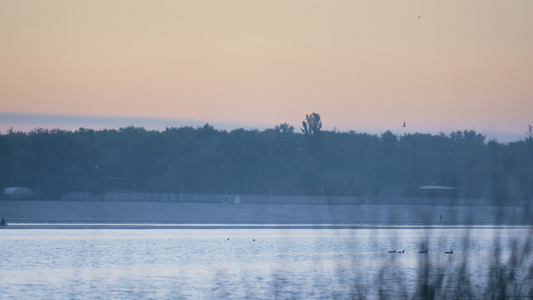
(362, 65)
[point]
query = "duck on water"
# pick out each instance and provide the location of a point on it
(421, 251)
(394, 251)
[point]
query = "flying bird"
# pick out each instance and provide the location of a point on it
(419, 17)
(403, 125)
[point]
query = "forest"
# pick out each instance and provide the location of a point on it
(279, 161)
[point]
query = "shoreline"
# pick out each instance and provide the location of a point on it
(152, 226)
(186, 214)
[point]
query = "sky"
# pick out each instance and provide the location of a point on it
(367, 66)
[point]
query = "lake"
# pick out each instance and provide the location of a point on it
(166, 261)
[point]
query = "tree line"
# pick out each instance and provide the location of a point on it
(277, 160)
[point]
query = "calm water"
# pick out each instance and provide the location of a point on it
(268, 262)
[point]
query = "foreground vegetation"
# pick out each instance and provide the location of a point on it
(509, 276)
(273, 161)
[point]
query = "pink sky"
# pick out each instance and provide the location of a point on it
(366, 66)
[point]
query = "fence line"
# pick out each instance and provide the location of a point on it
(265, 199)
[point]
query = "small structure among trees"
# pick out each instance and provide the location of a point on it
(17, 193)
(435, 192)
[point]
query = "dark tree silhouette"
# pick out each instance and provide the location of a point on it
(277, 161)
(312, 125)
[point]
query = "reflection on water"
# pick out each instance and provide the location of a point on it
(256, 262)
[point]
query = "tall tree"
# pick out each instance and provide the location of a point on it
(311, 130)
(312, 125)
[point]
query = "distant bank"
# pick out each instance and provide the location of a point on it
(211, 213)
